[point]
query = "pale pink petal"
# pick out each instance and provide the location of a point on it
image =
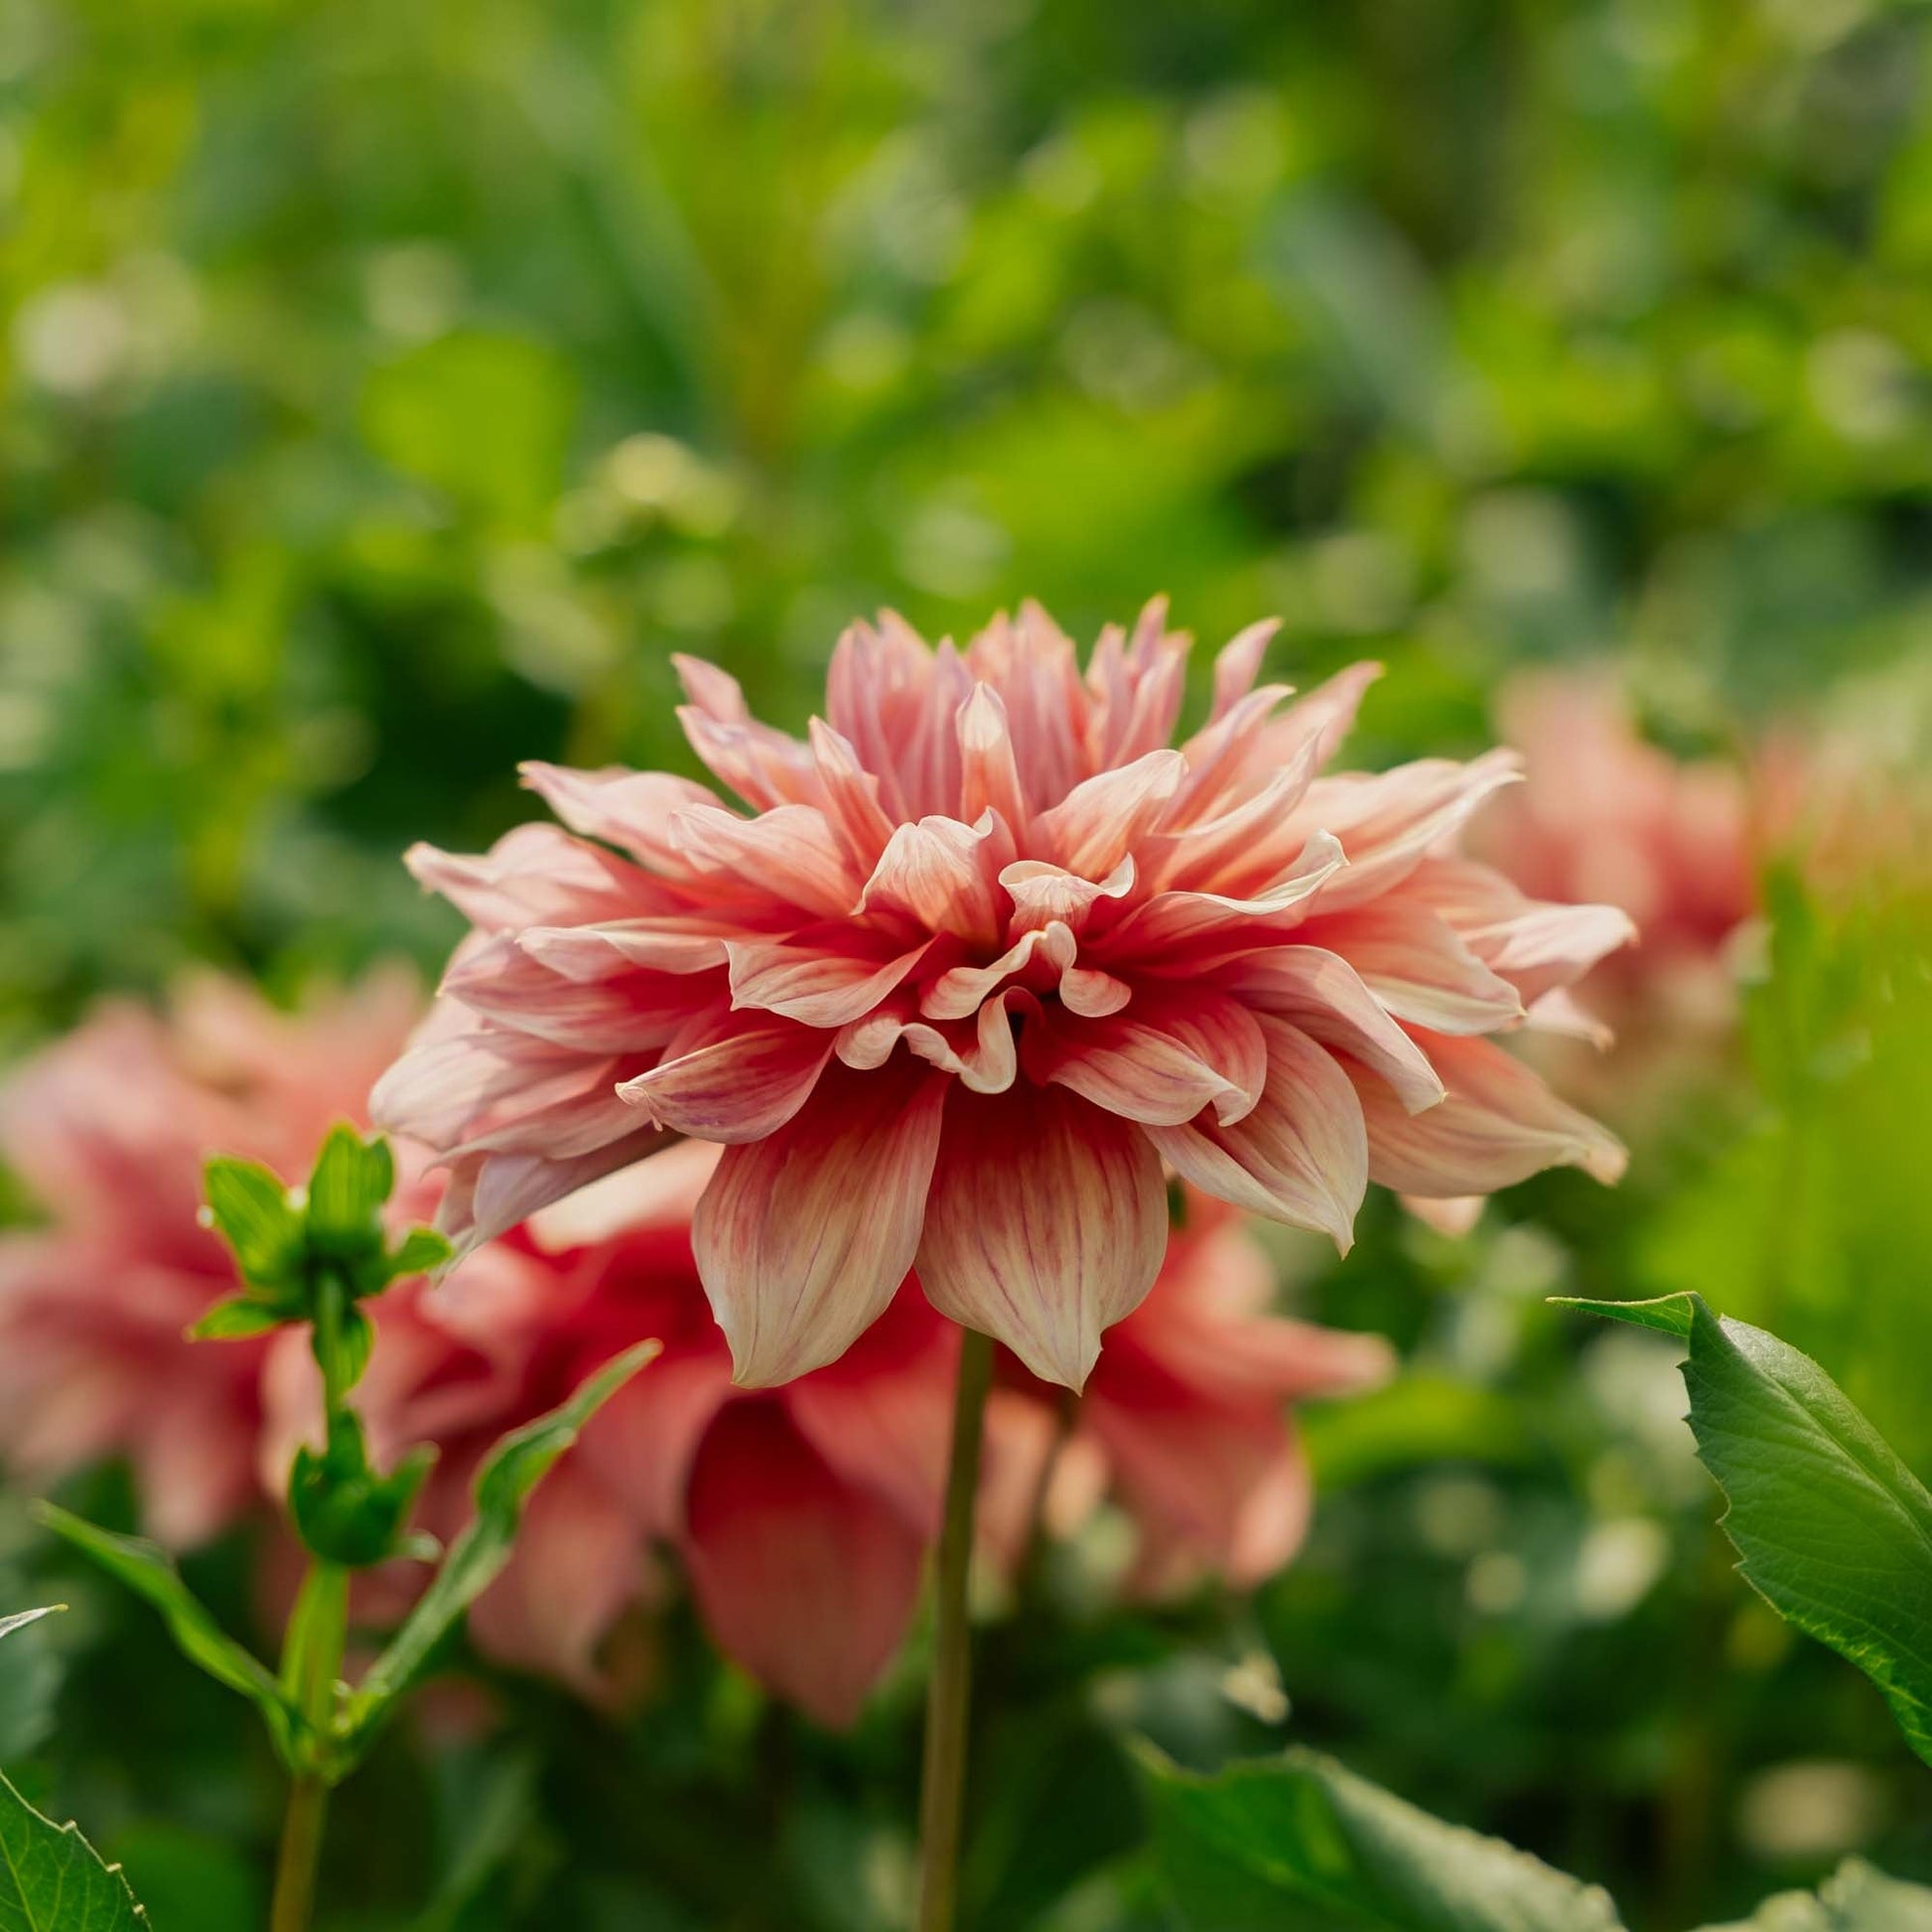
(628, 1013)
(1412, 960)
(489, 1192)
(1243, 850)
(1324, 995)
(1389, 823)
(789, 852)
(1499, 1124)
(766, 768)
(632, 810)
(847, 795)
(659, 1193)
(1046, 1224)
(989, 776)
(1160, 1061)
(815, 977)
(1453, 1216)
(1095, 826)
(806, 1582)
(741, 1077)
(803, 1236)
(1043, 894)
(1238, 662)
(532, 873)
(1558, 1012)
(669, 943)
(1301, 1156)
(1169, 924)
(940, 875)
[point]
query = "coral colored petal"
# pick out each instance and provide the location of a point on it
(1499, 1124)
(1324, 995)
(744, 1077)
(1164, 927)
(813, 977)
(1238, 662)
(532, 873)
(1301, 1155)
(941, 876)
(847, 795)
(805, 1581)
(803, 1237)
(1414, 963)
(489, 1192)
(1094, 827)
(989, 776)
(632, 810)
(1046, 1224)
(789, 852)
(671, 944)
(1536, 945)
(1162, 1060)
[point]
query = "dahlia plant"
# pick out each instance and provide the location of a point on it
(983, 959)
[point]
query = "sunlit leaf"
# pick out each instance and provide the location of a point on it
(251, 1209)
(1833, 1531)
(53, 1880)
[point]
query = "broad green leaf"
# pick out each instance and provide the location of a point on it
(510, 1472)
(343, 1510)
(1298, 1844)
(251, 1209)
(1856, 1898)
(1833, 1531)
(347, 1188)
(21, 1618)
(147, 1570)
(53, 1880)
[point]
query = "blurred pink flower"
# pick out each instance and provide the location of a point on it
(1100, 954)
(108, 1130)
(1607, 815)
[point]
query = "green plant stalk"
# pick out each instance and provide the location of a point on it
(312, 1662)
(943, 1787)
(317, 1635)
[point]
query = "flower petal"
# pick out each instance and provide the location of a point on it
(803, 1236)
(740, 1077)
(789, 852)
(1499, 1124)
(1301, 1156)
(1046, 1224)
(1094, 827)
(941, 876)
(1412, 960)
(815, 977)
(1324, 995)
(807, 1581)
(1160, 1061)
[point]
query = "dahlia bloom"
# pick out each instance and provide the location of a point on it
(1101, 957)
(108, 1130)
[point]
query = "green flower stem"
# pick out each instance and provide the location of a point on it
(317, 1635)
(311, 1661)
(942, 1797)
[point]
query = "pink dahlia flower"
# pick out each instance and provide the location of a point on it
(108, 1129)
(983, 958)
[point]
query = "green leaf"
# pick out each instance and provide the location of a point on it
(510, 1474)
(420, 1252)
(21, 1618)
(348, 1189)
(1856, 1898)
(236, 1319)
(1833, 1531)
(1298, 1844)
(53, 1880)
(1670, 1314)
(251, 1209)
(147, 1570)
(343, 1511)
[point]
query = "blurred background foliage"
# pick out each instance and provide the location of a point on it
(389, 390)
